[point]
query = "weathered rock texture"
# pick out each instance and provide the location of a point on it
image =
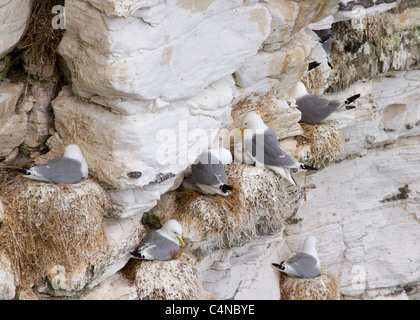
(152, 83)
(14, 17)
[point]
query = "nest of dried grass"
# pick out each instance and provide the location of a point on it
(324, 140)
(41, 40)
(175, 279)
(255, 207)
(323, 287)
(47, 224)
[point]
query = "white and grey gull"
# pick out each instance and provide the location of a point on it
(71, 168)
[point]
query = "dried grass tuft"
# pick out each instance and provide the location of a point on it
(324, 140)
(41, 39)
(175, 279)
(47, 224)
(323, 287)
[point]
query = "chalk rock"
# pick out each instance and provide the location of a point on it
(7, 278)
(361, 8)
(13, 122)
(14, 19)
(244, 272)
(291, 16)
(40, 117)
(115, 287)
(286, 64)
(131, 152)
(175, 59)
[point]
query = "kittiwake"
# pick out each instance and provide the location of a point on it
(324, 38)
(262, 145)
(208, 172)
(315, 109)
(71, 168)
(305, 264)
(160, 244)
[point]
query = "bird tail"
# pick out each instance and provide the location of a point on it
(313, 65)
(284, 172)
(137, 255)
(307, 167)
(279, 266)
(225, 188)
(24, 171)
(352, 98)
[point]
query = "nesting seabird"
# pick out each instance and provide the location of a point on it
(305, 264)
(71, 168)
(160, 244)
(262, 145)
(208, 172)
(324, 38)
(315, 109)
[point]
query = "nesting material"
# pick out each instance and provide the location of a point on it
(48, 224)
(175, 279)
(323, 287)
(324, 140)
(255, 207)
(41, 39)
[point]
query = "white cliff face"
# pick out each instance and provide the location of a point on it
(14, 18)
(152, 84)
(173, 59)
(364, 209)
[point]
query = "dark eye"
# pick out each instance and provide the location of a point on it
(246, 123)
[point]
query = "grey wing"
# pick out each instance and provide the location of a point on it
(315, 109)
(209, 174)
(60, 170)
(157, 246)
(273, 153)
(304, 264)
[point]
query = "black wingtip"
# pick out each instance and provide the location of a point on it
(353, 98)
(136, 255)
(225, 188)
(23, 171)
(313, 65)
(278, 266)
(350, 107)
(330, 65)
(307, 167)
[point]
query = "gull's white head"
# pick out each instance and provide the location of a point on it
(252, 121)
(223, 155)
(300, 90)
(173, 230)
(309, 246)
(73, 151)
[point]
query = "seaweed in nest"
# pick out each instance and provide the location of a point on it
(47, 224)
(324, 140)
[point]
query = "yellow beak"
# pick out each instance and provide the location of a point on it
(241, 130)
(181, 240)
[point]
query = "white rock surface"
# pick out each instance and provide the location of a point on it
(193, 47)
(368, 232)
(245, 273)
(7, 279)
(158, 145)
(13, 122)
(14, 19)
